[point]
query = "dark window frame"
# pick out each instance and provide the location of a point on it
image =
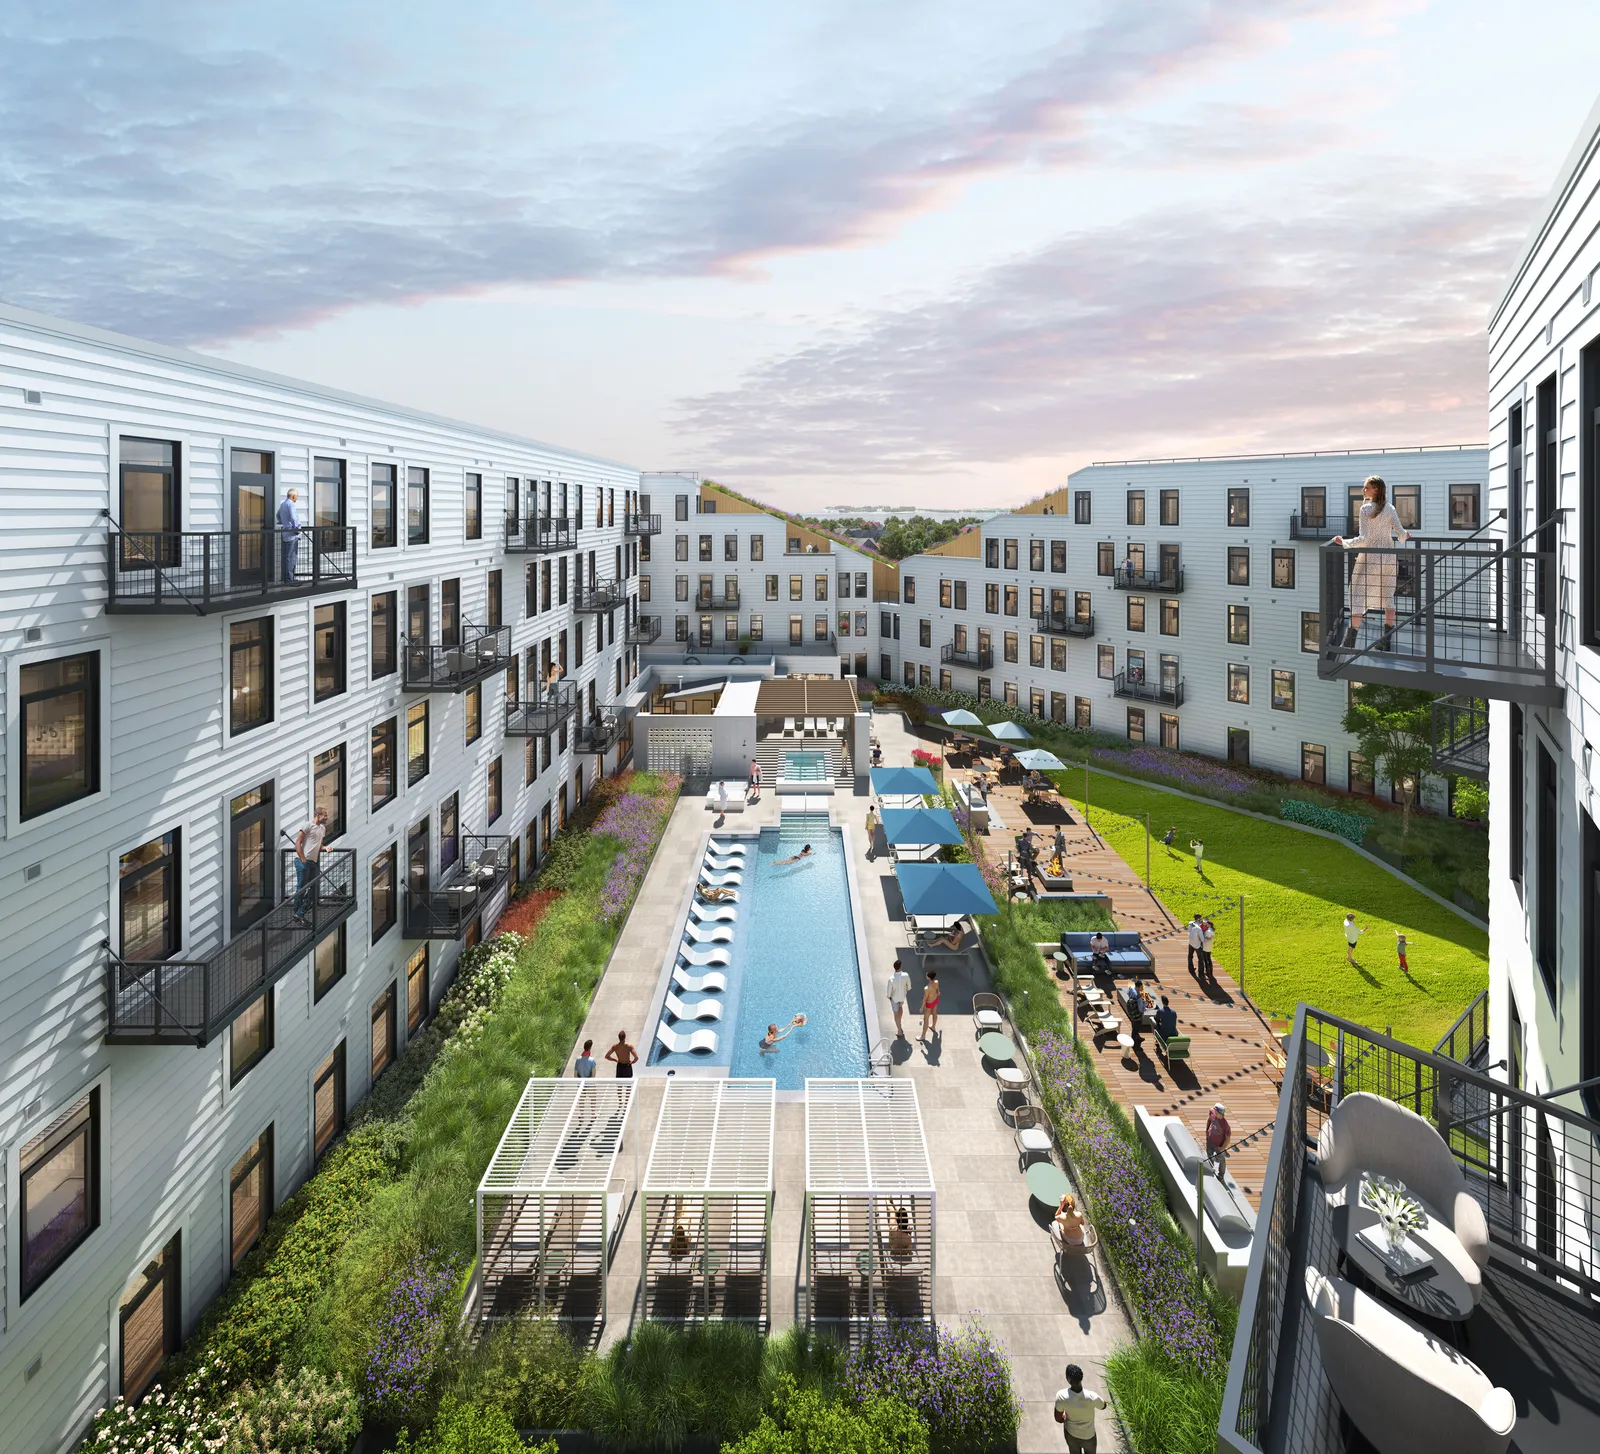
(257, 1159)
(384, 521)
(413, 756)
(29, 807)
(339, 951)
(1238, 507)
(1283, 580)
(330, 666)
(325, 765)
(418, 969)
(383, 615)
(239, 1067)
(472, 504)
(419, 486)
(266, 646)
(1546, 946)
(382, 1019)
(330, 1072)
(79, 1121)
(383, 891)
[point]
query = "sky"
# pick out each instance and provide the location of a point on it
(831, 253)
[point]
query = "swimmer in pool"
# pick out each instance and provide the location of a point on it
(769, 1041)
(803, 853)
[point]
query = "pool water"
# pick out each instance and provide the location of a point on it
(805, 767)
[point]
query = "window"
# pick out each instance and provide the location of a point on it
(1283, 570)
(1058, 654)
(819, 627)
(58, 1175)
(1546, 865)
(1036, 555)
(1036, 701)
(1169, 617)
(1135, 724)
(985, 687)
(1009, 645)
(1136, 613)
(1238, 683)
(1282, 691)
(1010, 601)
(329, 652)
(1036, 654)
(1238, 625)
(680, 547)
(473, 697)
(1106, 657)
(1359, 775)
(1080, 713)
(772, 588)
(249, 675)
(494, 790)
(705, 547)
(945, 594)
(991, 599)
(1009, 692)
(383, 893)
(449, 832)
(1105, 558)
(1010, 555)
(417, 1002)
(1310, 631)
(1080, 507)
(1464, 507)
(148, 503)
(1408, 505)
(1313, 763)
(1239, 746)
(329, 963)
(924, 633)
(1169, 507)
(381, 634)
(327, 1101)
(327, 779)
(382, 763)
(382, 529)
(416, 743)
(1518, 768)
(730, 547)
(925, 676)
(473, 491)
(758, 626)
(1058, 556)
(1136, 507)
(494, 602)
(150, 1321)
(758, 547)
(1238, 565)
(250, 1037)
(450, 613)
(909, 586)
(381, 1021)
(797, 588)
(250, 1186)
(991, 553)
(60, 716)
(147, 896)
(416, 506)
(680, 507)
(1238, 507)
(250, 831)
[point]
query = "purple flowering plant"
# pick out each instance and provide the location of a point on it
(635, 821)
(410, 1337)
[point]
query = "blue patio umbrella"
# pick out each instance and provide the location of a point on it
(960, 717)
(920, 825)
(1010, 731)
(902, 781)
(947, 889)
(1036, 759)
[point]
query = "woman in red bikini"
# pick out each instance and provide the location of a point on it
(930, 1006)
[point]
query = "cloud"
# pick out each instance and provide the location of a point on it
(165, 174)
(1345, 315)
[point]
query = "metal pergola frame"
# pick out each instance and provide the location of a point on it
(546, 1211)
(705, 1227)
(866, 1165)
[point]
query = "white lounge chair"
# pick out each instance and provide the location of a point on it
(724, 847)
(682, 1044)
(720, 880)
(700, 984)
(732, 898)
(693, 934)
(788, 726)
(811, 727)
(722, 865)
(719, 914)
(700, 958)
(704, 1010)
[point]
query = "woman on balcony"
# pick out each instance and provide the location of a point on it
(1372, 582)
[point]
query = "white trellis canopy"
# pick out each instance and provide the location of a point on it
(713, 1136)
(865, 1138)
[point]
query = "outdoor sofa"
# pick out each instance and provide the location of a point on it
(1127, 953)
(1230, 1221)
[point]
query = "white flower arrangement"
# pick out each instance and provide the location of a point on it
(1398, 1212)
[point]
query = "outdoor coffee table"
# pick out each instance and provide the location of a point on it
(1435, 1288)
(997, 1047)
(1047, 1183)
(1125, 1040)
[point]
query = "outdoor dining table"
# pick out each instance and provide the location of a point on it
(1047, 1183)
(997, 1047)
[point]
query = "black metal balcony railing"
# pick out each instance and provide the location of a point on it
(540, 534)
(480, 655)
(1063, 623)
(1168, 581)
(1532, 1165)
(635, 523)
(600, 596)
(445, 910)
(644, 630)
(192, 1001)
(1305, 526)
(811, 646)
(541, 718)
(1473, 616)
(981, 658)
(1461, 736)
(196, 571)
(1137, 689)
(602, 730)
(720, 600)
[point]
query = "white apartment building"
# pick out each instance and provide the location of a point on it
(1175, 602)
(433, 658)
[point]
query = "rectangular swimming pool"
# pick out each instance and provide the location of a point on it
(805, 767)
(793, 951)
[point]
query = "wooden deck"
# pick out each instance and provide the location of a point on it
(1229, 1040)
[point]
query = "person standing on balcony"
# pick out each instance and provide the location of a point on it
(307, 852)
(289, 533)
(1377, 568)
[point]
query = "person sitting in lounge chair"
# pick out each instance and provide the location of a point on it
(713, 894)
(1068, 1222)
(900, 1239)
(1099, 952)
(678, 1243)
(950, 939)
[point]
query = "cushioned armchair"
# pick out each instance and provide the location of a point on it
(1367, 1133)
(1406, 1392)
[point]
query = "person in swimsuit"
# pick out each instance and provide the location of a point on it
(769, 1041)
(1068, 1221)
(803, 853)
(624, 1055)
(930, 1006)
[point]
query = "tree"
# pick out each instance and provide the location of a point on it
(1394, 726)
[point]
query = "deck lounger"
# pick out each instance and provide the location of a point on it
(729, 880)
(682, 1044)
(720, 934)
(704, 1010)
(788, 726)
(722, 865)
(699, 984)
(715, 914)
(700, 958)
(723, 846)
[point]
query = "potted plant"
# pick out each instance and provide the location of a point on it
(744, 645)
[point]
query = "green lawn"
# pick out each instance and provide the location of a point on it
(1297, 887)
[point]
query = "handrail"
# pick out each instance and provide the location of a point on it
(120, 969)
(1477, 1011)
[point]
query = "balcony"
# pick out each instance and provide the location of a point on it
(644, 631)
(722, 600)
(979, 658)
(1532, 1166)
(1059, 623)
(456, 668)
(811, 646)
(1474, 617)
(192, 1001)
(194, 572)
(541, 718)
(886, 598)
(1136, 689)
(1168, 582)
(446, 910)
(1461, 736)
(638, 524)
(540, 534)
(603, 730)
(600, 596)
(1305, 526)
